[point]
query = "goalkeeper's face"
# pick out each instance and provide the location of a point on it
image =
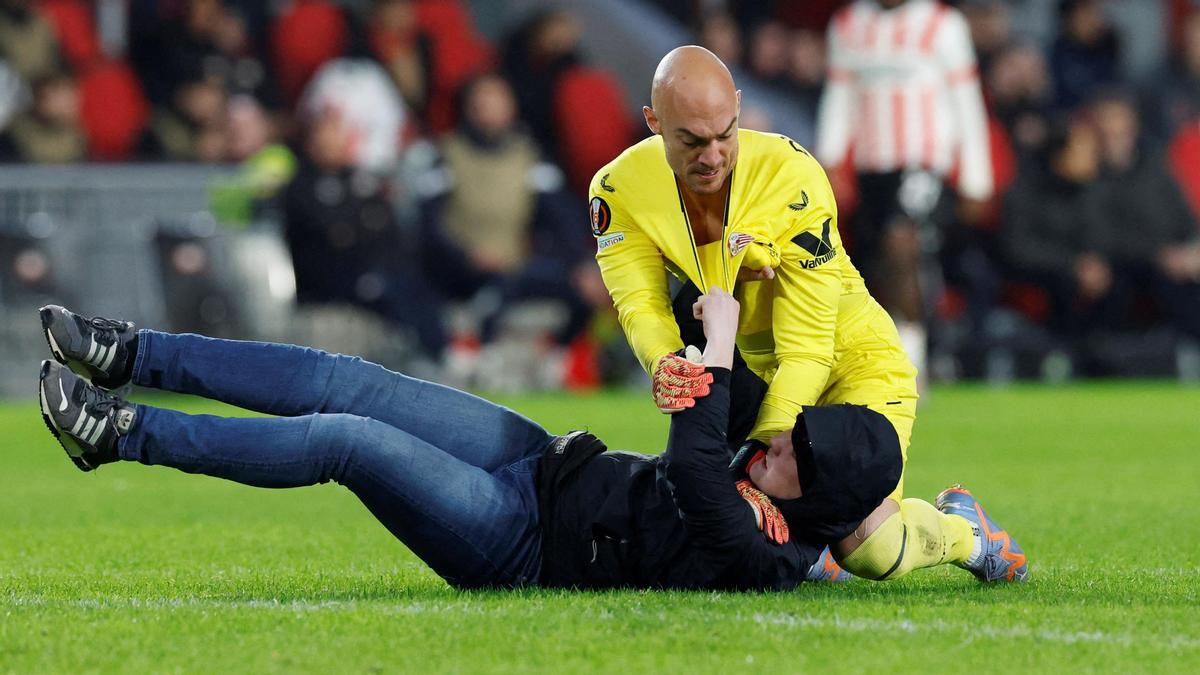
(694, 106)
(701, 142)
(775, 472)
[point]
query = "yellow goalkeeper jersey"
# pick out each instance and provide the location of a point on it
(796, 331)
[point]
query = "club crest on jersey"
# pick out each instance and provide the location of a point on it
(738, 241)
(601, 216)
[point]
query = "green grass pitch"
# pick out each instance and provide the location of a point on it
(138, 569)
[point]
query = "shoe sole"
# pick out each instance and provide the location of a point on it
(47, 316)
(64, 440)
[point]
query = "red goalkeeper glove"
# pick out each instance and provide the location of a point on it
(679, 381)
(766, 514)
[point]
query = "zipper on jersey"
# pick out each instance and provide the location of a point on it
(725, 235)
(687, 222)
(722, 242)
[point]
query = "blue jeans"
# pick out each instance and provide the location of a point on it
(449, 474)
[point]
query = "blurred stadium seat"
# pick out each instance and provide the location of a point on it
(113, 110)
(307, 34)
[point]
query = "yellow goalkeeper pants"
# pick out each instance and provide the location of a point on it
(880, 376)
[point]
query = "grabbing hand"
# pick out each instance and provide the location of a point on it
(747, 274)
(679, 381)
(766, 514)
(718, 312)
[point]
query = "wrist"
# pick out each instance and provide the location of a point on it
(719, 352)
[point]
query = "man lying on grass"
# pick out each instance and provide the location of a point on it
(483, 495)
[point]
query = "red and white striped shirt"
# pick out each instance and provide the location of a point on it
(903, 91)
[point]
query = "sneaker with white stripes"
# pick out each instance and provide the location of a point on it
(86, 420)
(100, 350)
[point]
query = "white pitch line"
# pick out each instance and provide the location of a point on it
(298, 606)
(970, 631)
(967, 631)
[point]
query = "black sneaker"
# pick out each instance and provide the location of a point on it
(86, 420)
(101, 350)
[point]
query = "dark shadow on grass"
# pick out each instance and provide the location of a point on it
(940, 590)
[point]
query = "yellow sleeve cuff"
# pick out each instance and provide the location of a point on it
(796, 384)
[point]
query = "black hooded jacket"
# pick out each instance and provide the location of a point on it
(620, 519)
(614, 519)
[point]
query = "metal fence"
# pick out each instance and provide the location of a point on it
(119, 241)
(90, 237)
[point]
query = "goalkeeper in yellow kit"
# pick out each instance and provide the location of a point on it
(753, 213)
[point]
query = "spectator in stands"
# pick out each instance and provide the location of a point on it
(991, 28)
(191, 128)
(1176, 98)
(27, 41)
(370, 108)
(345, 241)
(1145, 235)
(1086, 54)
(200, 39)
(429, 48)
(170, 48)
(577, 113)
(535, 55)
(395, 38)
(49, 132)
(721, 35)
(1049, 214)
(1019, 92)
(806, 69)
(768, 57)
(501, 218)
(237, 60)
(249, 127)
(457, 53)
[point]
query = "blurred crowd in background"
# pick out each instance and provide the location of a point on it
(437, 178)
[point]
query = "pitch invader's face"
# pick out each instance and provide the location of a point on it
(776, 473)
(700, 139)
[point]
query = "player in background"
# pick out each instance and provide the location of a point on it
(753, 214)
(903, 103)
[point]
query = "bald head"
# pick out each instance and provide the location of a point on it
(690, 75)
(694, 106)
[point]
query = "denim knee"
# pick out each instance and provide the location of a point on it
(342, 436)
(351, 381)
